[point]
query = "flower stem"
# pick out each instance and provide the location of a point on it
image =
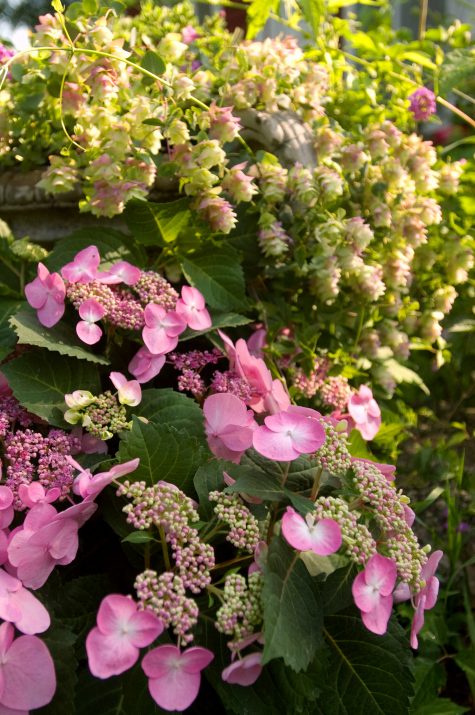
(230, 562)
(165, 553)
(316, 484)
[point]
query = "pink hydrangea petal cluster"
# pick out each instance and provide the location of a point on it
(88, 486)
(287, 435)
(46, 294)
(244, 671)
(27, 675)
(192, 308)
(372, 592)
(322, 536)
(20, 607)
(6, 506)
(144, 366)
(113, 646)
(174, 675)
(229, 426)
(90, 312)
(84, 267)
(162, 329)
(129, 391)
(365, 412)
(120, 272)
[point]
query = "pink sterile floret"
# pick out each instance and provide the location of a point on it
(83, 269)
(144, 366)
(120, 272)
(244, 671)
(113, 646)
(35, 493)
(372, 592)
(6, 506)
(268, 395)
(426, 598)
(45, 539)
(90, 312)
(174, 675)
(162, 329)
(229, 426)
(20, 607)
(129, 391)
(192, 308)
(323, 536)
(365, 412)
(27, 676)
(287, 435)
(46, 294)
(89, 486)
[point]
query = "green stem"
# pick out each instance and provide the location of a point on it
(423, 8)
(316, 484)
(286, 474)
(216, 591)
(166, 557)
(231, 562)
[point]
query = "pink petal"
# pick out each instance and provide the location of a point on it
(51, 312)
(192, 296)
(83, 268)
(224, 409)
(174, 323)
(89, 333)
(237, 438)
(417, 622)
(325, 537)
(381, 573)
(219, 449)
(157, 341)
(357, 410)
(146, 627)
(33, 616)
(199, 320)
(176, 690)
(430, 567)
(243, 672)
(109, 654)
(431, 592)
(91, 310)
(161, 660)
(154, 315)
(296, 530)
(196, 659)
(117, 379)
(120, 470)
(277, 446)
(114, 611)
(364, 596)
(144, 366)
(401, 593)
(121, 272)
(36, 293)
(29, 675)
(376, 620)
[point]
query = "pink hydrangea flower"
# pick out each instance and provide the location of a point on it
(244, 671)
(129, 391)
(6, 505)
(113, 646)
(365, 412)
(120, 272)
(426, 598)
(268, 395)
(372, 592)
(34, 493)
(20, 607)
(46, 294)
(162, 329)
(87, 485)
(322, 536)
(144, 366)
(192, 308)
(229, 426)
(27, 673)
(257, 342)
(285, 436)
(422, 104)
(174, 675)
(90, 312)
(83, 269)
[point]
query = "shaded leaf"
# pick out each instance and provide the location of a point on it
(112, 245)
(153, 63)
(155, 224)
(218, 274)
(167, 406)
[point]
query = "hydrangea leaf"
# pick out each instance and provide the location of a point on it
(168, 407)
(154, 224)
(218, 274)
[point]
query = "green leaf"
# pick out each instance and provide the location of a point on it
(257, 15)
(112, 245)
(209, 478)
(172, 408)
(218, 274)
(138, 537)
(40, 380)
(299, 475)
(7, 334)
(363, 673)
(440, 706)
(465, 660)
(401, 373)
(419, 58)
(153, 63)
(292, 608)
(155, 224)
(61, 338)
(165, 453)
(220, 320)
(90, 6)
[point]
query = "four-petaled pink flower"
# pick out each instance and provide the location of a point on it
(162, 329)
(46, 294)
(120, 272)
(19, 606)
(27, 676)
(90, 312)
(144, 366)
(34, 493)
(89, 486)
(129, 391)
(192, 308)
(322, 536)
(113, 646)
(372, 592)
(83, 268)
(426, 598)
(365, 412)
(285, 436)
(229, 426)
(244, 671)
(174, 675)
